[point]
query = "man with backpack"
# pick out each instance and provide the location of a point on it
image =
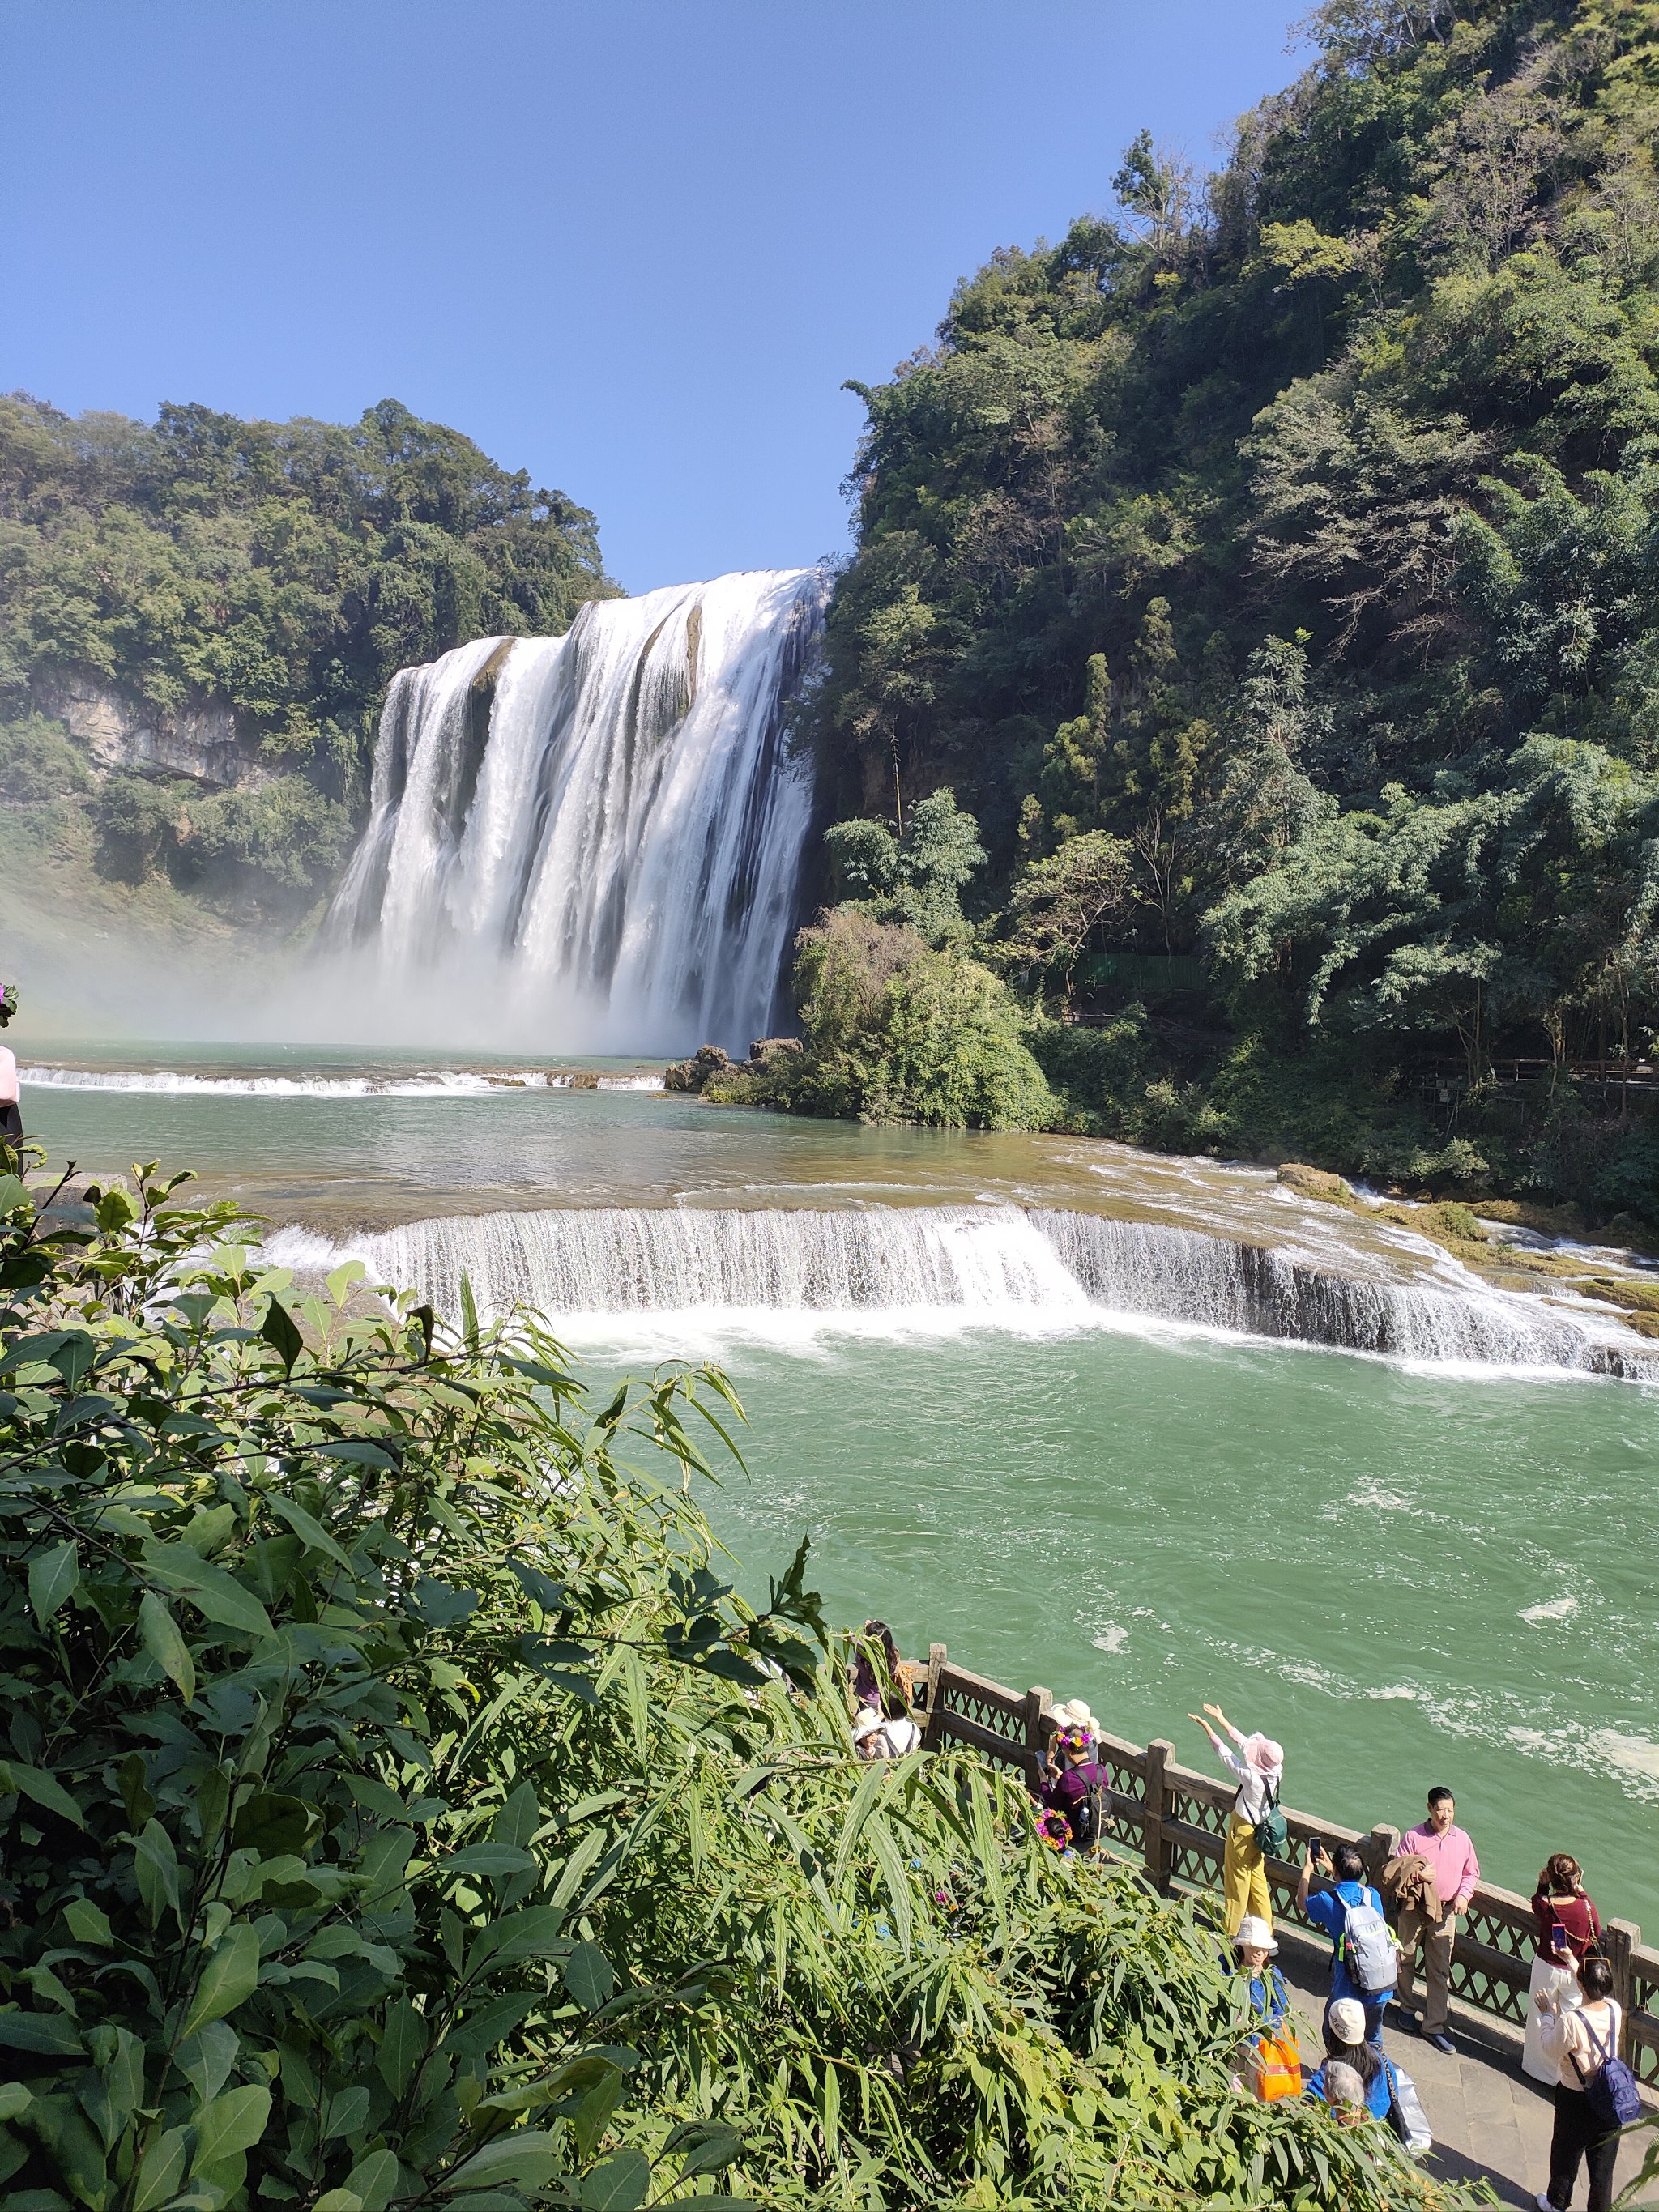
(1364, 1961)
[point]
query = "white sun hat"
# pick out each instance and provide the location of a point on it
(1253, 1929)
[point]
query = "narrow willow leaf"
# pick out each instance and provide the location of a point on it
(52, 1577)
(159, 1633)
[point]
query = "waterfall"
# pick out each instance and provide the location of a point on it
(995, 1263)
(602, 829)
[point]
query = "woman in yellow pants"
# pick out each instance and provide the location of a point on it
(1259, 1763)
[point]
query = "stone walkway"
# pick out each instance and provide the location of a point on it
(1491, 2122)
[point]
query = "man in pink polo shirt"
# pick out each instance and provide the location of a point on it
(1451, 1859)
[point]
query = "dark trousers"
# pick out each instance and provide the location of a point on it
(1578, 2134)
(11, 1124)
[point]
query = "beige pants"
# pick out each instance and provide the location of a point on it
(1437, 1944)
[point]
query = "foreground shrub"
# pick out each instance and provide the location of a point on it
(398, 1809)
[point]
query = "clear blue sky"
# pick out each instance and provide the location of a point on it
(633, 245)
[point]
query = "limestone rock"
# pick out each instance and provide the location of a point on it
(1315, 1182)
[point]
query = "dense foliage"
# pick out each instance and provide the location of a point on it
(1273, 572)
(281, 571)
(397, 1808)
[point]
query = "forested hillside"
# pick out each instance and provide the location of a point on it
(235, 596)
(1272, 570)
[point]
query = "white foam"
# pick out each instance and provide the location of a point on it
(690, 1278)
(433, 1083)
(1556, 1610)
(1111, 1639)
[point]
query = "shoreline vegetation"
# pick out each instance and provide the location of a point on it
(400, 1806)
(1269, 574)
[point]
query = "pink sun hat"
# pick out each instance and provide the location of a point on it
(1261, 1753)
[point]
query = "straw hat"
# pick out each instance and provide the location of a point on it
(1346, 2018)
(1255, 1930)
(1075, 1714)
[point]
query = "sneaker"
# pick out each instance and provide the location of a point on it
(1442, 2043)
(1546, 2203)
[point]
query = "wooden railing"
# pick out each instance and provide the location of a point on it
(1172, 1820)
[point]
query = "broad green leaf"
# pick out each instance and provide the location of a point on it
(305, 1526)
(205, 2059)
(593, 2115)
(359, 1451)
(620, 2184)
(161, 2170)
(50, 2034)
(88, 1924)
(45, 1790)
(230, 2123)
(525, 2158)
(273, 1824)
(531, 1934)
(14, 2098)
(402, 2046)
(216, 1595)
(348, 2113)
(281, 1331)
(228, 1979)
(157, 1864)
(52, 1577)
(159, 1633)
(338, 2200)
(588, 1976)
(374, 2179)
(487, 1858)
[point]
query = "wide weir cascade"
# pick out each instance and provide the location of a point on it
(998, 1264)
(603, 829)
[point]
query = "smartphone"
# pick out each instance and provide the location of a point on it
(1316, 1847)
(1558, 1937)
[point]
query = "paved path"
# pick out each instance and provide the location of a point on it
(1491, 2122)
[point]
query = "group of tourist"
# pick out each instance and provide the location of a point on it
(1379, 1933)
(1573, 2022)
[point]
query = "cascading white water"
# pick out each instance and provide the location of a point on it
(602, 830)
(990, 1262)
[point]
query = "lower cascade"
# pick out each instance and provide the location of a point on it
(602, 829)
(998, 1262)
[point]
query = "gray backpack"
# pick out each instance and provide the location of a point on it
(1367, 1950)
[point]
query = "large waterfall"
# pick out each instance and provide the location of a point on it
(601, 832)
(1000, 1265)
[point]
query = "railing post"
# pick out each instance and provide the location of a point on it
(1384, 1844)
(1619, 1939)
(935, 1669)
(1037, 1704)
(1157, 1848)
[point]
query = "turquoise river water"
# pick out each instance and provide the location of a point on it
(1410, 1574)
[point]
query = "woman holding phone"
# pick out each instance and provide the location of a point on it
(1568, 1930)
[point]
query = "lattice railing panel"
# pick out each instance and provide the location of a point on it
(1199, 1812)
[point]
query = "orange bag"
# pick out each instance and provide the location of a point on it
(1278, 2068)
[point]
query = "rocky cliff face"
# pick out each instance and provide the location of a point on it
(119, 732)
